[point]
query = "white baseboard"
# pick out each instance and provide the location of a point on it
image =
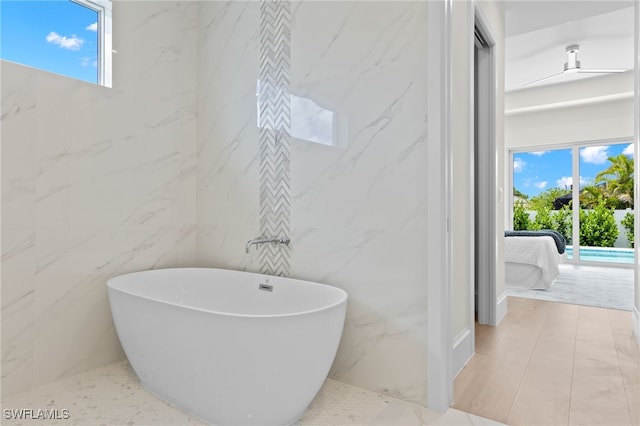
(502, 308)
(463, 350)
(636, 323)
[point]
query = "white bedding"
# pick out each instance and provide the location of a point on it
(531, 262)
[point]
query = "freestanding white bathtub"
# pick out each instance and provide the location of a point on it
(229, 347)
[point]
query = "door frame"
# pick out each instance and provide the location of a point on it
(636, 189)
(439, 172)
(488, 178)
(439, 350)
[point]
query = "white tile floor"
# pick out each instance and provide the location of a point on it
(602, 287)
(112, 395)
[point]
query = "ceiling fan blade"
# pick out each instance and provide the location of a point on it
(600, 71)
(543, 79)
(572, 66)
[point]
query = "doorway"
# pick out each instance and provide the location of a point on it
(441, 26)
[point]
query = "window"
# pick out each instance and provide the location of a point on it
(585, 192)
(71, 38)
(310, 121)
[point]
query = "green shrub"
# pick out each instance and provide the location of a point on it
(521, 220)
(563, 223)
(598, 227)
(627, 223)
(543, 219)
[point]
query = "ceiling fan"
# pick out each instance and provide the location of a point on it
(572, 66)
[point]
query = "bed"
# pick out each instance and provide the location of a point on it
(532, 259)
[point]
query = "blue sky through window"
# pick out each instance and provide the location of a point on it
(535, 172)
(55, 35)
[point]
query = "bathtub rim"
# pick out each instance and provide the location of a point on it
(343, 295)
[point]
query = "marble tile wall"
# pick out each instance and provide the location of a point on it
(228, 159)
(163, 170)
(359, 205)
(95, 182)
(358, 181)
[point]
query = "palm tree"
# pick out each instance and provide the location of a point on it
(591, 195)
(618, 179)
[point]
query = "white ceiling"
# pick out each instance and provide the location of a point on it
(539, 31)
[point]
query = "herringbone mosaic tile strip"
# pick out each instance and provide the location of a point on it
(274, 103)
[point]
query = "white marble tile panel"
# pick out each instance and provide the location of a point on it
(74, 333)
(160, 38)
(341, 46)
(228, 56)
(66, 250)
(18, 263)
(51, 150)
(18, 334)
(79, 258)
(366, 196)
(366, 65)
(53, 157)
(112, 184)
(186, 245)
(228, 162)
(373, 263)
(227, 133)
(18, 166)
(380, 357)
(18, 90)
(187, 187)
(223, 246)
(71, 303)
(385, 330)
(56, 92)
(159, 201)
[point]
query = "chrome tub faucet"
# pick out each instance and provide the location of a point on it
(264, 240)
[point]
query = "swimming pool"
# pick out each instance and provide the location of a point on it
(603, 254)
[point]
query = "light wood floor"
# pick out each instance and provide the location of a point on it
(551, 363)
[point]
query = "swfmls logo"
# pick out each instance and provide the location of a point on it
(35, 414)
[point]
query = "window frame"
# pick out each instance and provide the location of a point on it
(105, 45)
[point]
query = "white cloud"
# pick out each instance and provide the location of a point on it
(518, 165)
(92, 27)
(86, 61)
(541, 185)
(594, 154)
(628, 150)
(567, 181)
(538, 153)
(69, 43)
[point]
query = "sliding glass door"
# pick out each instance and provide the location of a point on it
(596, 179)
(606, 201)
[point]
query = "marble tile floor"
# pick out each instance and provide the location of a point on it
(112, 395)
(603, 287)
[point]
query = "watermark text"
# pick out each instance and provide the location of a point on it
(35, 414)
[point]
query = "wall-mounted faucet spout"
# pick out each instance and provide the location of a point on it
(263, 240)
